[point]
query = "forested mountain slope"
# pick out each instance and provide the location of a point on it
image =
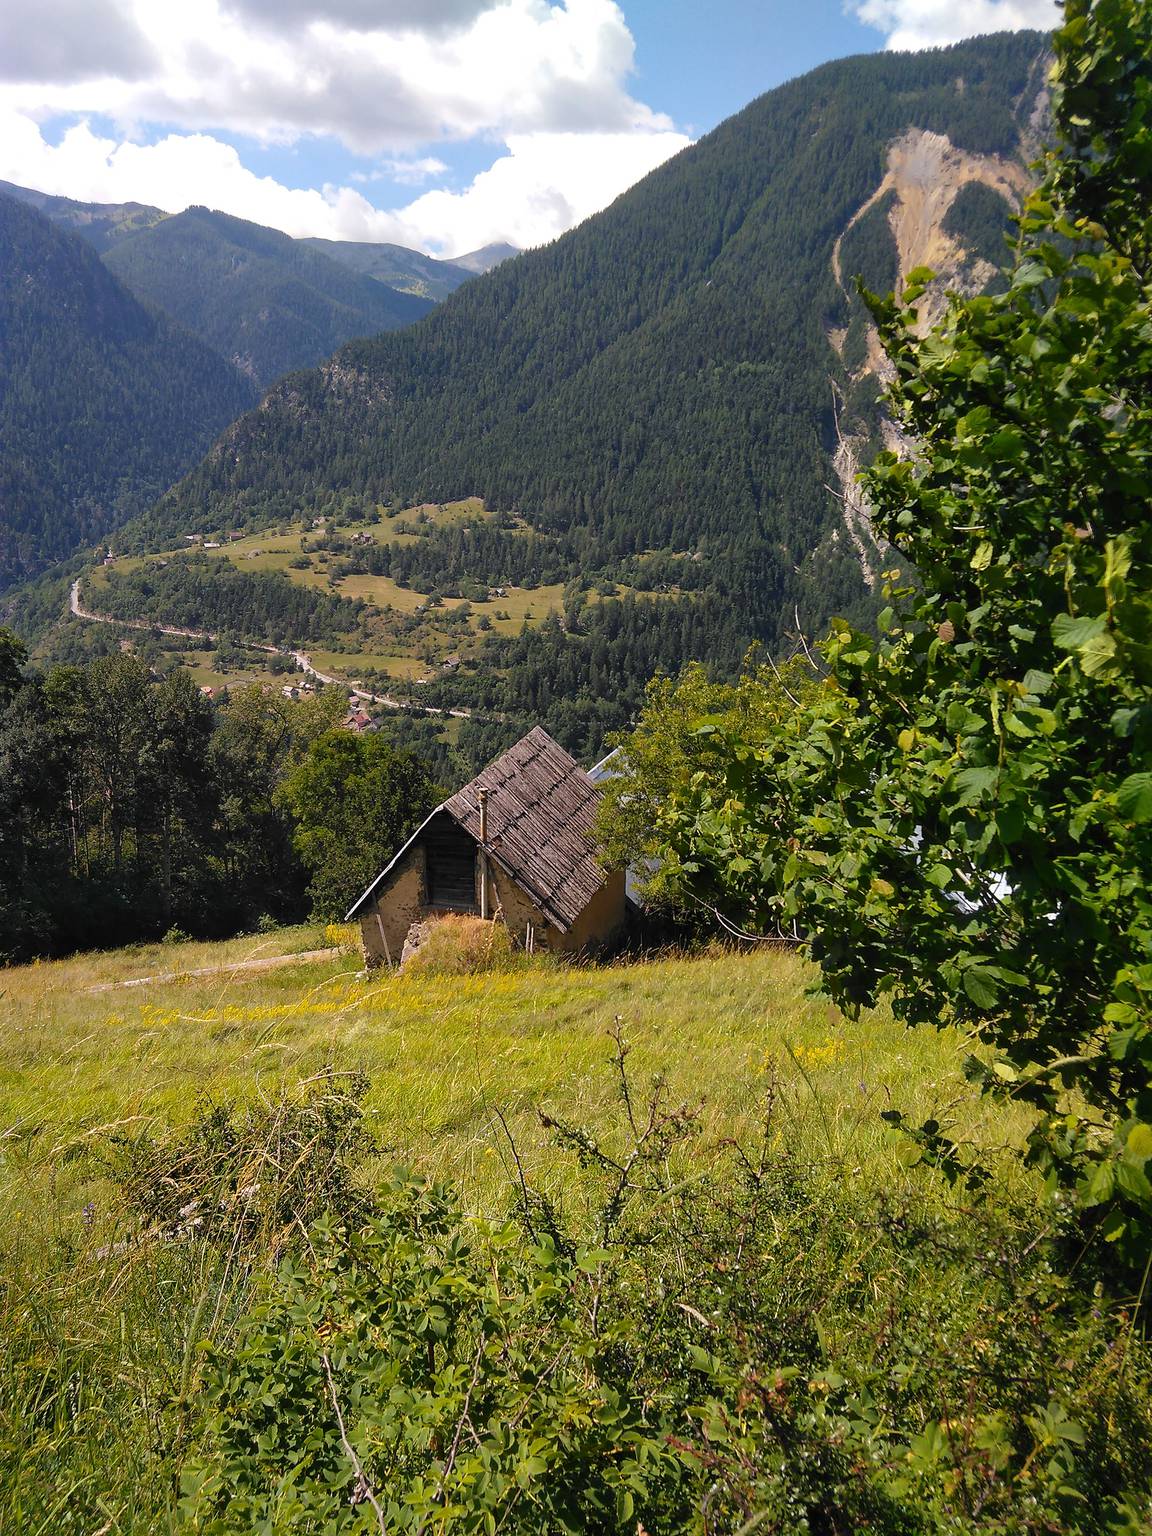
(104, 225)
(661, 378)
(406, 271)
(265, 302)
(101, 224)
(262, 300)
(103, 404)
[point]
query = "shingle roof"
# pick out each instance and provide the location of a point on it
(541, 806)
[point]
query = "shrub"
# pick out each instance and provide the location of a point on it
(746, 1348)
(254, 1175)
(462, 946)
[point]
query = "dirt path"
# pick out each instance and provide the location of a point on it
(269, 963)
(301, 658)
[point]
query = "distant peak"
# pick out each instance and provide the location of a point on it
(487, 257)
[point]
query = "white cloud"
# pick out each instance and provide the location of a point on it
(520, 66)
(65, 40)
(390, 79)
(398, 15)
(932, 23)
(543, 185)
(409, 173)
(180, 170)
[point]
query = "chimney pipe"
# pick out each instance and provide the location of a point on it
(482, 801)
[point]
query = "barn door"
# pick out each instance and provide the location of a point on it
(451, 864)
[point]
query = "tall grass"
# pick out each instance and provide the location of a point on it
(98, 1371)
(443, 1052)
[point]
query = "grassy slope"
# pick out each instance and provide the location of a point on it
(404, 658)
(444, 1053)
(100, 1372)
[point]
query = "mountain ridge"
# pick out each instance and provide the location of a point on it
(100, 224)
(497, 389)
(266, 302)
(405, 270)
(103, 401)
(653, 405)
(485, 257)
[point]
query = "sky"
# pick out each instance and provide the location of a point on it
(444, 125)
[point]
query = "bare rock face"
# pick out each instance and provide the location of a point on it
(926, 172)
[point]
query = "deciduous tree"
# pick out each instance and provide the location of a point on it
(962, 820)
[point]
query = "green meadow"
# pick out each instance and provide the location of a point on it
(80, 1053)
(126, 1077)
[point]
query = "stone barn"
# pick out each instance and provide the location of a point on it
(515, 845)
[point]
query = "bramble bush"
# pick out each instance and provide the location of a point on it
(708, 1348)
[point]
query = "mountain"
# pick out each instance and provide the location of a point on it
(487, 257)
(103, 403)
(406, 271)
(101, 224)
(266, 302)
(262, 300)
(664, 395)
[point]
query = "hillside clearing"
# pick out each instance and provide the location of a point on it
(443, 1055)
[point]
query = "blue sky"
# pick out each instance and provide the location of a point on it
(701, 63)
(442, 124)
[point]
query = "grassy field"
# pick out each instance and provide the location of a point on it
(351, 665)
(401, 637)
(204, 675)
(444, 1054)
(918, 1289)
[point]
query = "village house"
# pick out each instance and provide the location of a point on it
(515, 845)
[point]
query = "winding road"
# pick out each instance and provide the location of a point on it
(301, 658)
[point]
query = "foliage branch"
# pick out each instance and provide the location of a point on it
(961, 818)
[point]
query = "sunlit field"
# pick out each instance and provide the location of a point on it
(452, 1061)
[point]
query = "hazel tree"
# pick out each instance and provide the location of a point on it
(961, 819)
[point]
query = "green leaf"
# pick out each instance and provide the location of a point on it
(981, 986)
(1072, 634)
(1010, 823)
(1133, 1182)
(1134, 797)
(971, 784)
(1100, 1185)
(1006, 444)
(961, 719)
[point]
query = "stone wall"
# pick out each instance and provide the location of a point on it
(601, 920)
(518, 910)
(384, 925)
(404, 900)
